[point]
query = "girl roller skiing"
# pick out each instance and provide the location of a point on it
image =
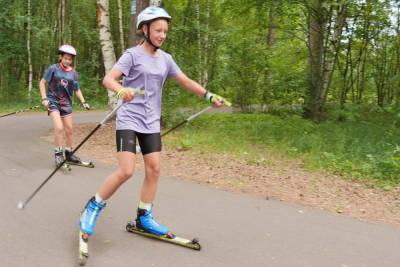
(62, 81)
(144, 67)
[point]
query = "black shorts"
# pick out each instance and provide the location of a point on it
(126, 141)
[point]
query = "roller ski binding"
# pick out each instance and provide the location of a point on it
(59, 159)
(146, 225)
(75, 160)
(87, 224)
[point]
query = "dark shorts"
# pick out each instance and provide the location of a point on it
(149, 143)
(64, 107)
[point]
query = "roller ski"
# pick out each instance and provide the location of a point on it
(146, 225)
(75, 160)
(59, 159)
(83, 248)
(87, 224)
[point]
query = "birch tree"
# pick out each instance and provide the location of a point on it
(121, 27)
(28, 48)
(107, 47)
(325, 23)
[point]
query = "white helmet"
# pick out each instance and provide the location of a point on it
(151, 13)
(67, 49)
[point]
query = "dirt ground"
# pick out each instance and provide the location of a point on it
(275, 178)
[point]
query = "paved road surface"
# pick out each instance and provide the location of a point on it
(234, 229)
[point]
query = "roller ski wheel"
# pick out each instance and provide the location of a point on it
(83, 248)
(169, 237)
(65, 167)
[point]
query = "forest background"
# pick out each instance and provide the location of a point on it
(315, 79)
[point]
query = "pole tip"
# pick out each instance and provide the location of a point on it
(21, 205)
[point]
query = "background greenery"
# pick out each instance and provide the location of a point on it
(257, 53)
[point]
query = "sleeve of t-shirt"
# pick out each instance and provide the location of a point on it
(173, 68)
(76, 82)
(124, 63)
(48, 73)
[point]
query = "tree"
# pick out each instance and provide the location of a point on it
(136, 7)
(121, 28)
(107, 47)
(28, 48)
(325, 23)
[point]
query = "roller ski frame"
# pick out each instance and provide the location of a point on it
(169, 237)
(63, 165)
(74, 160)
(66, 167)
(83, 248)
(82, 164)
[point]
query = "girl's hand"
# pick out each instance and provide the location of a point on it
(45, 102)
(85, 105)
(216, 100)
(127, 94)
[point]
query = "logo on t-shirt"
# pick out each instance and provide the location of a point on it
(64, 83)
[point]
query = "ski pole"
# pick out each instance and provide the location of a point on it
(226, 102)
(22, 205)
(186, 121)
(19, 111)
(138, 149)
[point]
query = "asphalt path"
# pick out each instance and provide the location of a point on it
(233, 229)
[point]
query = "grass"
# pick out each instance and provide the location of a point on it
(367, 149)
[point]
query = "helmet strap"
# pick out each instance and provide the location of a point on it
(148, 40)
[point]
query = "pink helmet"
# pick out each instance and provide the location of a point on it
(67, 49)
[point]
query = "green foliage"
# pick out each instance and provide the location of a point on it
(365, 149)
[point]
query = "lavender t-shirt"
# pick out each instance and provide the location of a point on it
(144, 71)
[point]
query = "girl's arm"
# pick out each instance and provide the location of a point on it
(42, 88)
(80, 96)
(190, 85)
(198, 90)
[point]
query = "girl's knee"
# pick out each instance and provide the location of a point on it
(125, 173)
(155, 169)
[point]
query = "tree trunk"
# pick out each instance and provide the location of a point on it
(62, 21)
(107, 47)
(28, 47)
(136, 7)
(316, 37)
(330, 62)
(58, 29)
(121, 28)
(324, 45)
(206, 46)
(199, 50)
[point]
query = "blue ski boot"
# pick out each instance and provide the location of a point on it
(89, 216)
(146, 222)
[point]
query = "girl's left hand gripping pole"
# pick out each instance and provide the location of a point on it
(22, 204)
